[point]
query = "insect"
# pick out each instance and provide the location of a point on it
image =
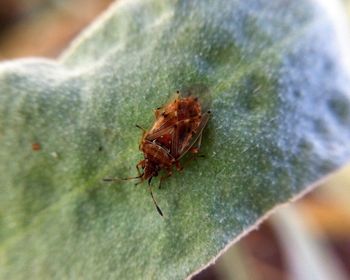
(177, 130)
(36, 147)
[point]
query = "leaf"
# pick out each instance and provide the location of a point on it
(275, 75)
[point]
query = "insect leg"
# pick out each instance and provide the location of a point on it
(121, 179)
(195, 149)
(127, 178)
(143, 130)
(178, 166)
(164, 177)
(138, 167)
(194, 154)
(140, 127)
(154, 201)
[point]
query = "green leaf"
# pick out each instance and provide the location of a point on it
(276, 77)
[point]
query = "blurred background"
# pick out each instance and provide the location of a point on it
(309, 239)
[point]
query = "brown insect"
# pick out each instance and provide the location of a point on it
(177, 130)
(36, 147)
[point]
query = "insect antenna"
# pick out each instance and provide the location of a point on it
(154, 201)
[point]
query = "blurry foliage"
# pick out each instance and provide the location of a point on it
(43, 27)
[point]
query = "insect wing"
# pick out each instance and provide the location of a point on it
(151, 136)
(162, 124)
(195, 137)
(182, 135)
(163, 121)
